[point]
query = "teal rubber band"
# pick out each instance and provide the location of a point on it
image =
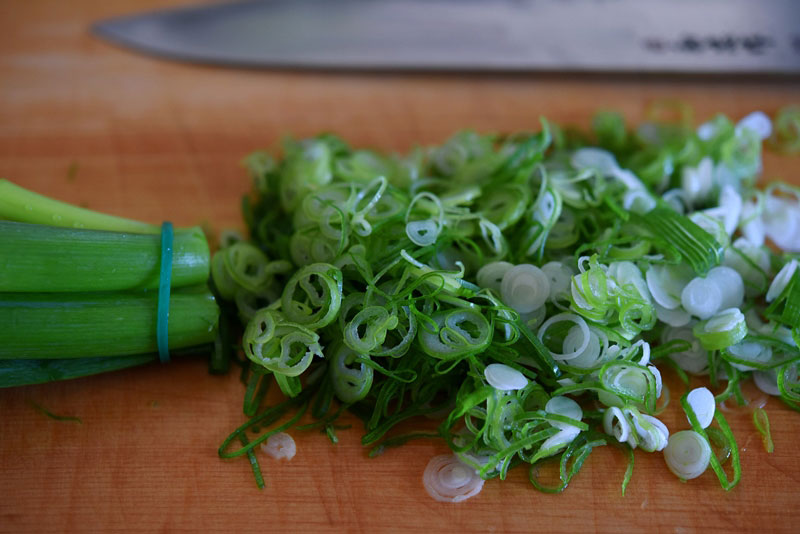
(164, 282)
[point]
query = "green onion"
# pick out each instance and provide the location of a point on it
(51, 259)
(75, 290)
(761, 422)
(672, 230)
(81, 325)
(19, 204)
(51, 415)
(494, 282)
(787, 130)
(725, 329)
(716, 465)
(786, 308)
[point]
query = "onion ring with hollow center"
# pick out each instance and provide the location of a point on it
(448, 479)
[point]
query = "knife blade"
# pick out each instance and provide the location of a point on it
(693, 36)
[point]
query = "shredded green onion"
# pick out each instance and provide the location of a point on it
(501, 284)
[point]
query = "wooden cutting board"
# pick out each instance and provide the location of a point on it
(91, 124)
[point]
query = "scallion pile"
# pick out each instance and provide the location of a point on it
(525, 289)
(79, 290)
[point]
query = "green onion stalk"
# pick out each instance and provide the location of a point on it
(79, 291)
(524, 290)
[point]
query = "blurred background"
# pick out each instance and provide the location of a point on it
(133, 126)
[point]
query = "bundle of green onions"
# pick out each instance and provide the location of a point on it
(79, 290)
(524, 289)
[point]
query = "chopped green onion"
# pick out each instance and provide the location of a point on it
(687, 454)
(716, 465)
(670, 229)
(495, 281)
(724, 329)
(761, 422)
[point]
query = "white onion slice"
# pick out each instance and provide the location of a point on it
(758, 122)
(687, 454)
(546, 207)
(638, 201)
(491, 275)
(596, 159)
(782, 222)
(591, 355)
(645, 346)
(504, 378)
(629, 180)
(650, 440)
(729, 210)
(577, 295)
(676, 317)
(492, 235)
(750, 351)
(280, 446)
(781, 280)
(696, 182)
(675, 198)
(752, 224)
(666, 282)
(735, 259)
(657, 376)
(616, 424)
(627, 273)
(609, 399)
(422, 233)
(730, 201)
(703, 404)
(701, 297)
(730, 285)
(565, 407)
(563, 437)
(525, 288)
(694, 360)
(706, 131)
(767, 381)
(448, 479)
(560, 277)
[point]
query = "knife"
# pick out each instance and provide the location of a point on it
(693, 36)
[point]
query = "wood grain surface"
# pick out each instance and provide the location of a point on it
(157, 140)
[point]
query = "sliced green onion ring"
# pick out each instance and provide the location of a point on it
(781, 280)
(701, 297)
(491, 275)
(376, 321)
(424, 232)
(322, 285)
(350, 384)
(687, 454)
(282, 347)
(702, 402)
(460, 332)
(724, 329)
(447, 479)
(504, 378)
(525, 288)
